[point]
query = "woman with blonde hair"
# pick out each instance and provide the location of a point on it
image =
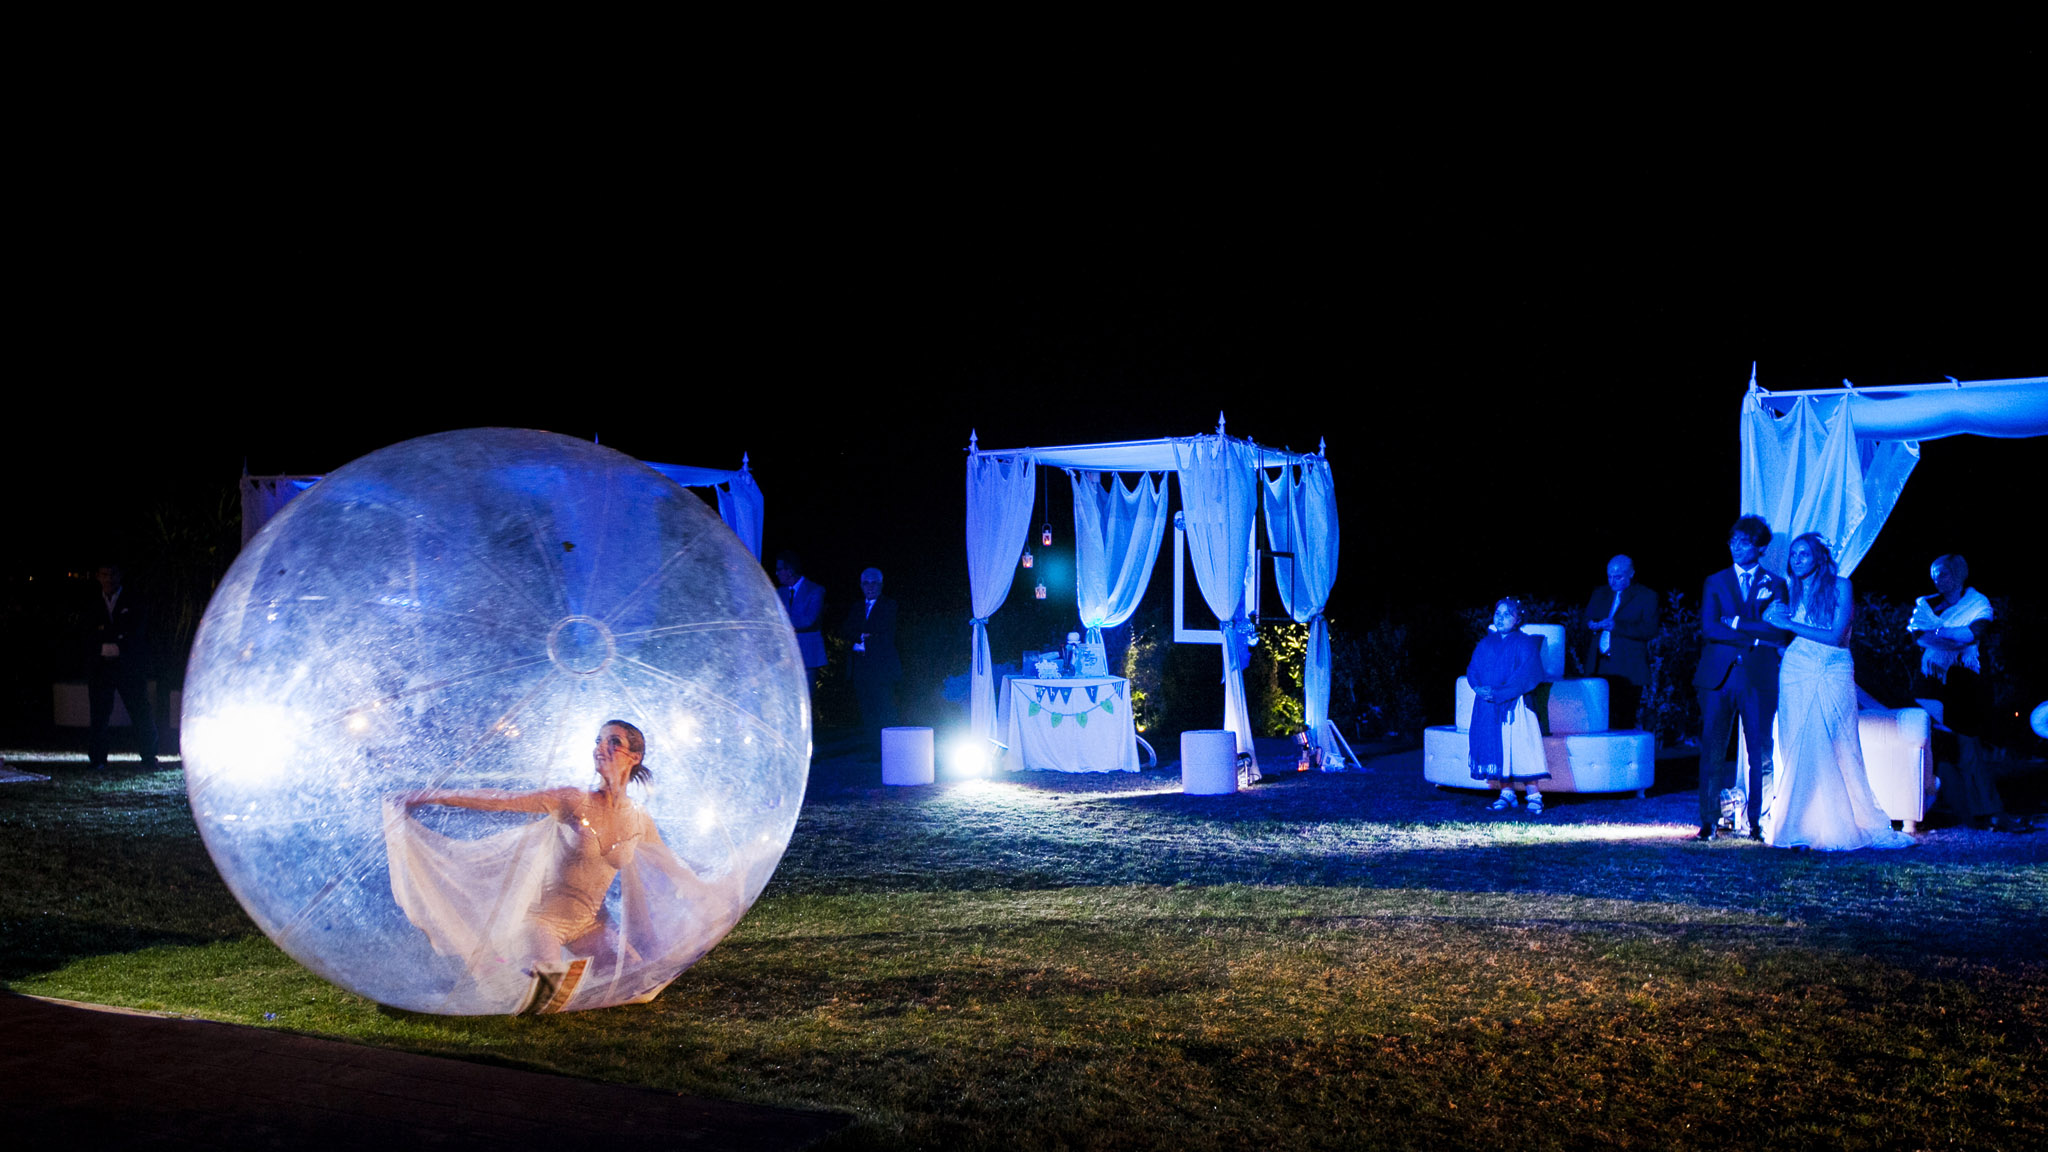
(1820, 793)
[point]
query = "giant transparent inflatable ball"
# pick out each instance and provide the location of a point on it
(456, 616)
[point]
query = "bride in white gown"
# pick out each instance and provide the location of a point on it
(1820, 794)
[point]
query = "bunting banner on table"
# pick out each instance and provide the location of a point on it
(1055, 702)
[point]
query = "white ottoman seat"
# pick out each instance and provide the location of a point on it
(1574, 706)
(1898, 756)
(907, 757)
(1208, 762)
(1623, 761)
(1583, 753)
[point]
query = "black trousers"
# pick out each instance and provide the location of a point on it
(1719, 709)
(108, 676)
(877, 695)
(1968, 786)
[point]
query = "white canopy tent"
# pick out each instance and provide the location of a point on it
(1834, 461)
(740, 503)
(1118, 531)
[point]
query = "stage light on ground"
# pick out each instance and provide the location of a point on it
(967, 757)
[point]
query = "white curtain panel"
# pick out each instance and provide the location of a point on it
(1808, 471)
(1301, 517)
(266, 496)
(999, 497)
(1117, 531)
(1219, 499)
(740, 502)
(742, 507)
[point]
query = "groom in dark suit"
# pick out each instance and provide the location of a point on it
(1738, 671)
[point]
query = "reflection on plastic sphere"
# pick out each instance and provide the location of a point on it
(461, 612)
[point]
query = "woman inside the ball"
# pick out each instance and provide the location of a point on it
(562, 928)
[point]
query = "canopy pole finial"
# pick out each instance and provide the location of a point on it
(1219, 421)
(973, 442)
(744, 461)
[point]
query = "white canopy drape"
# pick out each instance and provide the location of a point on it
(1835, 461)
(266, 496)
(1301, 518)
(999, 494)
(1117, 532)
(740, 503)
(1218, 489)
(1219, 479)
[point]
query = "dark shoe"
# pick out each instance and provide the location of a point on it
(1756, 835)
(1704, 834)
(2017, 825)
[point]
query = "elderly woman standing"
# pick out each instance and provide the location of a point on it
(1506, 741)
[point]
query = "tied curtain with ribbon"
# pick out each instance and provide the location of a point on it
(999, 499)
(1117, 532)
(1218, 486)
(1301, 518)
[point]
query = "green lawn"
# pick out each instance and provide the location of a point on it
(1332, 961)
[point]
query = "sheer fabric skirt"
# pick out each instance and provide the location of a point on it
(1820, 793)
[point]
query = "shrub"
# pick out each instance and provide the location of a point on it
(1670, 707)
(1275, 680)
(1373, 689)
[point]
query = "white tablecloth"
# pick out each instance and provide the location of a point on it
(1080, 725)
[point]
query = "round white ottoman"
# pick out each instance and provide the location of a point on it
(907, 756)
(1208, 763)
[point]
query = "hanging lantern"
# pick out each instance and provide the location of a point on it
(1040, 592)
(1045, 533)
(1027, 558)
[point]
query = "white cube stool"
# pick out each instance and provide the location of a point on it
(907, 757)
(1208, 763)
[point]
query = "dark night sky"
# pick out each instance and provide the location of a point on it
(1524, 345)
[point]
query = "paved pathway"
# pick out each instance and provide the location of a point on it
(78, 1075)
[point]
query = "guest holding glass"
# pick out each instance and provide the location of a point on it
(1949, 626)
(1506, 749)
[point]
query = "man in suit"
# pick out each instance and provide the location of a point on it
(871, 626)
(805, 602)
(1623, 617)
(1738, 670)
(117, 661)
